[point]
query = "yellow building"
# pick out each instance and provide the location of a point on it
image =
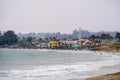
(54, 44)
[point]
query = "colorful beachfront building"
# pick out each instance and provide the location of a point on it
(69, 44)
(54, 44)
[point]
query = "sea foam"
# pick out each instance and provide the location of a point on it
(61, 71)
(53, 72)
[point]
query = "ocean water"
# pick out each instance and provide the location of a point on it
(36, 64)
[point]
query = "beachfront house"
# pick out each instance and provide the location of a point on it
(54, 44)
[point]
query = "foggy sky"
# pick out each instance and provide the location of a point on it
(59, 15)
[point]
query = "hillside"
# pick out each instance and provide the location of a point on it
(112, 47)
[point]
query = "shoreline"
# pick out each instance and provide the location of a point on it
(111, 76)
(100, 51)
(104, 73)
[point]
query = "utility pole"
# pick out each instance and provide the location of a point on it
(79, 34)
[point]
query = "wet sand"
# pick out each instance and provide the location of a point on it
(105, 73)
(113, 76)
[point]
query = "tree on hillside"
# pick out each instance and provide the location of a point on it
(103, 36)
(106, 36)
(117, 35)
(40, 39)
(51, 39)
(1, 39)
(46, 39)
(92, 37)
(29, 39)
(10, 37)
(55, 38)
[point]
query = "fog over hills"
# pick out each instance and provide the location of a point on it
(75, 34)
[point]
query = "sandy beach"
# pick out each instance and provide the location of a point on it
(113, 76)
(106, 72)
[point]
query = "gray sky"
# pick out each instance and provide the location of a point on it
(59, 15)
